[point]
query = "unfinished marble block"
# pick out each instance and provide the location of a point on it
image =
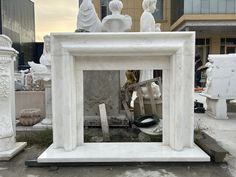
(221, 84)
(29, 117)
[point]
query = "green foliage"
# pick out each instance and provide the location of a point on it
(40, 138)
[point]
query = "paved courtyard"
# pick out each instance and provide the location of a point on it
(224, 131)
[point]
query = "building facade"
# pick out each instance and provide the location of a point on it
(213, 20)
(18, 22)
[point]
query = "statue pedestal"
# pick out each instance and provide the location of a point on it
(15, 148)
(47, 121)
(8, 145)
(48, 103)
(217, 108)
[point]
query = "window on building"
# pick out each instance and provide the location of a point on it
(203, 48)
(228, 45)
(105, 8)
(158, 14)
(177, 9)
(205, 6)
(104, 11)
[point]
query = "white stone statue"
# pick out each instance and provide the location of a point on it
(156, 91)
(116, 22)
(43, 71)
(209, 66)
(87, 19)
(147, 24)
(45, 59)
(37, 68)
(147, 21)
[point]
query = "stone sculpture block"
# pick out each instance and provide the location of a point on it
(221, 84)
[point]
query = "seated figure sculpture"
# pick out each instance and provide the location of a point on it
(87, 19)
(147, 24)
(45, 59)
(116, 22)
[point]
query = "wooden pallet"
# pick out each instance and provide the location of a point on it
(137, 87)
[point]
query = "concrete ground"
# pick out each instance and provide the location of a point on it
(224, 131)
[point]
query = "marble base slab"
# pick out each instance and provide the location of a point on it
(7, 155)
(123, 152)
(40, 126)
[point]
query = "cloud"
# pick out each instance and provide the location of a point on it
(55, 16)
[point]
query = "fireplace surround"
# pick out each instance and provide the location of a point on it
(171, 52)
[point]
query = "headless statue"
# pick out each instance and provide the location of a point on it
(147, 24)
(87, 19)
(116, 22)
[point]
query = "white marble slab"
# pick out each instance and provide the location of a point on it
(221, 81)
(17, 147)
(123, 152)
(41, 126)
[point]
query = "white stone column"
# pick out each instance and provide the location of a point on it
(8, 145)
(48, 103)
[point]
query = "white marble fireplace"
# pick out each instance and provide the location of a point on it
(73, 53)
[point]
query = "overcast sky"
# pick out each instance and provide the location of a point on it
(55, 16)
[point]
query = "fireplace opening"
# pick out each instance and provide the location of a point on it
(132, 106)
